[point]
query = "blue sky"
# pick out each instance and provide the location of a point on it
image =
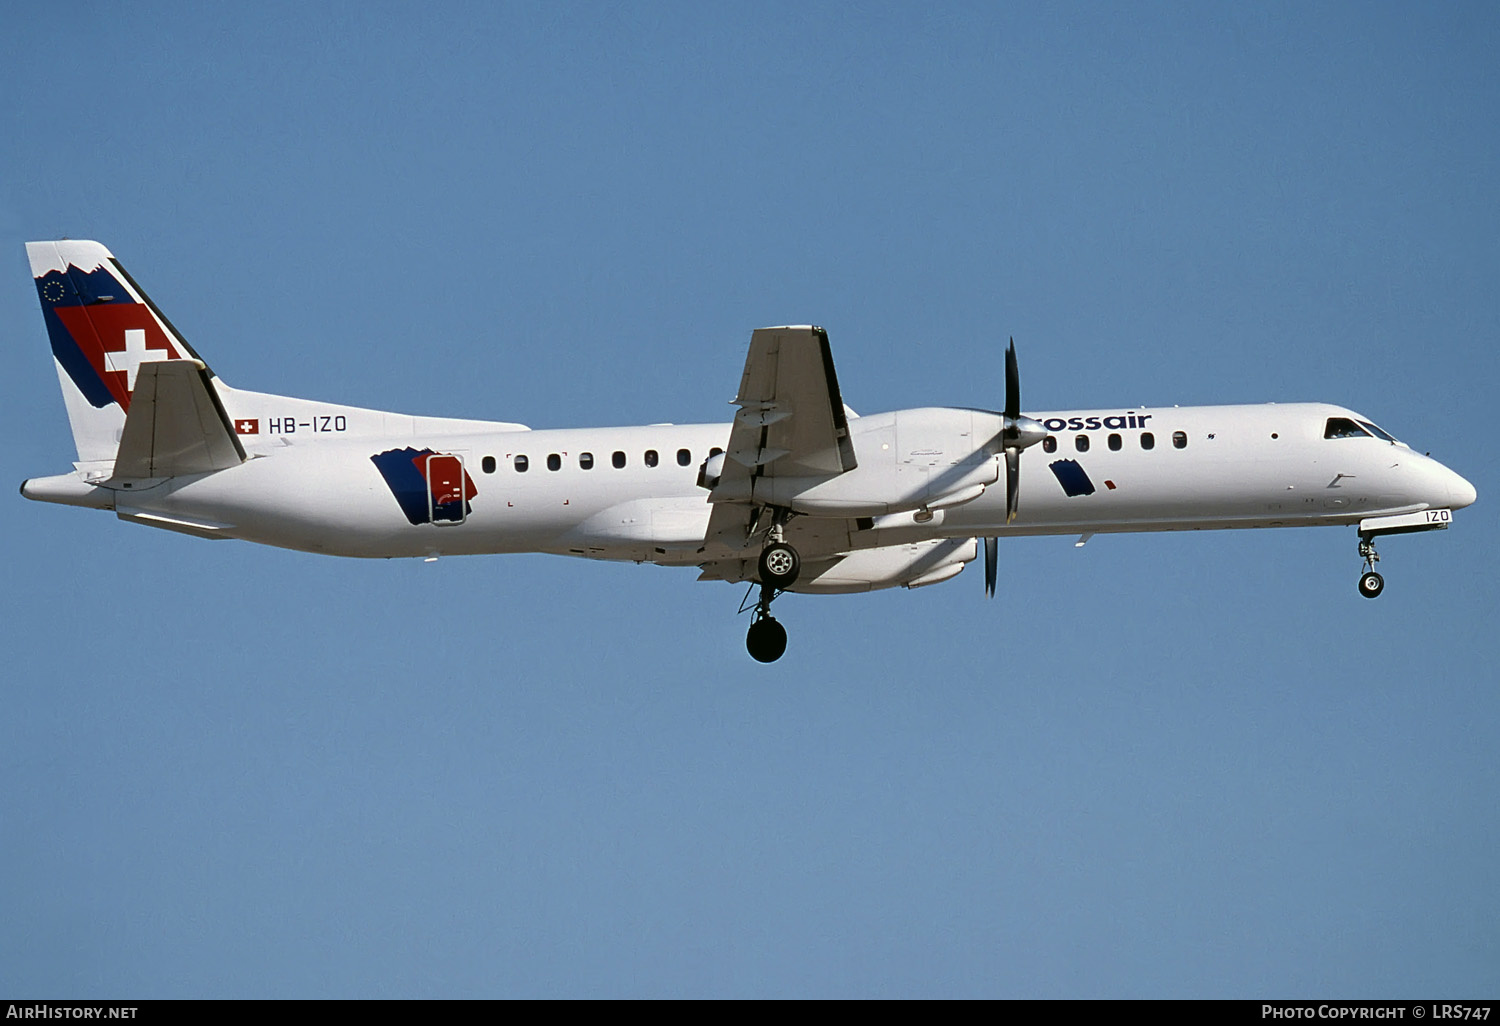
(1156, 766)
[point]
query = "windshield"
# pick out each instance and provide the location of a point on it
(1343, 427)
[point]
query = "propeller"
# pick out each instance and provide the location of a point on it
(1016, 433)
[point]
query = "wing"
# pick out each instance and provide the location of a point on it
(791, 418)
(792, 421)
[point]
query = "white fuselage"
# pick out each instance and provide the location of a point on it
(797, 493)
(311, 483)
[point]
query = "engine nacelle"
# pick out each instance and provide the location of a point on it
(890, 566)
(925, 460)
(872, 493)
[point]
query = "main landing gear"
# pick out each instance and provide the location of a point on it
(778, 569)
(766, 639)
(779, 565)
(1371, 584)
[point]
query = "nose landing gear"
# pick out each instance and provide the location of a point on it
(1371, 583)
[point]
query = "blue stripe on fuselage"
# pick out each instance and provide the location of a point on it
(1072, 477)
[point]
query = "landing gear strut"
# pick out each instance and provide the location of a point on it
(1371, 584)
(778, 568)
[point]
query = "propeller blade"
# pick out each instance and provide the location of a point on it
(1016, 433)
(1012, 383)
(991, 563)
(1012, 482)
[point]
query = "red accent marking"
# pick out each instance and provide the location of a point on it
(1110, 485)
(247, 427)
(446, 478)
(100, 329)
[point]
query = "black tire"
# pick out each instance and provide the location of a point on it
(779, 565)
(1371, 584)
(766, 640)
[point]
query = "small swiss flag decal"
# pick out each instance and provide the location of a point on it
(247, 427)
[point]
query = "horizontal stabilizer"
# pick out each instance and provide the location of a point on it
(176, 424)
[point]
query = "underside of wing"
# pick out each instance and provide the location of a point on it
(733, 526)
(822, 542)
(831, 568)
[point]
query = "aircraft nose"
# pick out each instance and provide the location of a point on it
(1460, 492)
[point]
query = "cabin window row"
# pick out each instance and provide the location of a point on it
(618, 459)
(1115, 442)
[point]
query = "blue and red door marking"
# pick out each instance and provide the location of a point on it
(430, 487)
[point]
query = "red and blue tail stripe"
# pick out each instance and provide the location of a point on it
(99, 332)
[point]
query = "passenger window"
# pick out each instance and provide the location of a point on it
(1081, 443)
(1049, 444)
(1179, 439)
(554, 461)
(1148, 440)
(618, 459)
(651, 458)
(488, 463)
(1343, 427)
(684, 457)
(521, 464)
(585, 461)
(1114, 443)
(715, 451)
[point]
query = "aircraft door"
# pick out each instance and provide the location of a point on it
(447, 489)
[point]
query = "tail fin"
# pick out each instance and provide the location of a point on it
(102, 327)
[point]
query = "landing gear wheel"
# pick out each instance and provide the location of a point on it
(766, 640)
(1371, 584)
(779, 565)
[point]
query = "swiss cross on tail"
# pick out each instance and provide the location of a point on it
(100, 333)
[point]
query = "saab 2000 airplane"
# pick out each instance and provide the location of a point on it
(798, 493)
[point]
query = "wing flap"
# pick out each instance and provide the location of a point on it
(176, 424)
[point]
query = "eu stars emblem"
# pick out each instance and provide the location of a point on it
(53, 290)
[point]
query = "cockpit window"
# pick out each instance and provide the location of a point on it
(1343, 427)
(1375, 431)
